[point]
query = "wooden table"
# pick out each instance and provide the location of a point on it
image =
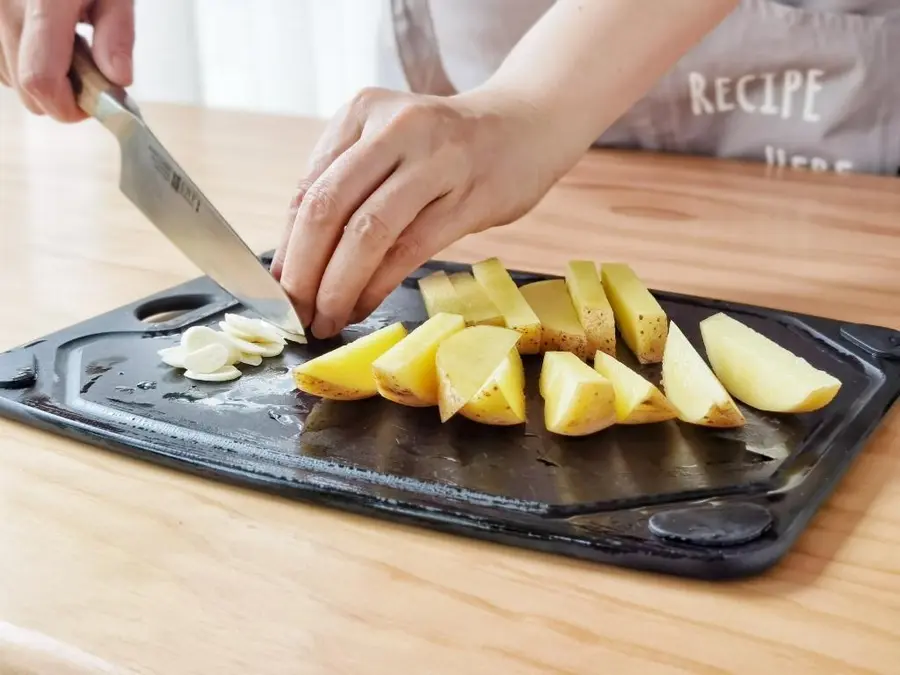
(158, 572)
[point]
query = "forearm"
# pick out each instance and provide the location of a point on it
(586, 62)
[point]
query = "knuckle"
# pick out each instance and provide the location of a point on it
(365, 97)
(319, 205)
(369, 228)
(406, 250)
(331, 301)
(37, 84)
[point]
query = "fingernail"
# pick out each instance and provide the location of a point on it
(323, 327)
(122, 65)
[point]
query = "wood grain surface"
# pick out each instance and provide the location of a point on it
(113, 565)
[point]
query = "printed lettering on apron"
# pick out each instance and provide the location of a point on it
(794, 83)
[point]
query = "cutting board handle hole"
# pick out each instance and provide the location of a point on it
(165, 310)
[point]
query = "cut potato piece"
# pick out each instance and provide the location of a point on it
(592, 306)
(223, 374)
(560, 328)
(577, 400)
(638, 401)
(506, 296)
(207, 359)
(641, 319)
(692, 387)
(762, 373)
(345, 374)
(439, 295)
(406, 372)
(478, 310)
(480, 376)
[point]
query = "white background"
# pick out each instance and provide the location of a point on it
(304, 57)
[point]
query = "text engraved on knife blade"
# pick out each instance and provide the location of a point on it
(175, 180)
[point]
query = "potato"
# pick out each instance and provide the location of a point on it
(506, 296)
(592, 305)
(406, 373)
(478, 310)
(577, 400)
(480, 376)
(692, 387)
(762, 373)
(638, 401)
(439, 295)
(641, 319)
(560, 328)
(345, 374)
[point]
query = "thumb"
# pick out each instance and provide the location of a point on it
(113, 43)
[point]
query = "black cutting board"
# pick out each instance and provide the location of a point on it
(668, 497)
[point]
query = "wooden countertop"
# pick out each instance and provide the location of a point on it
(160, 573)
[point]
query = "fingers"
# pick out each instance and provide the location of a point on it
(341, 134)
(44, 57)
(370, 233)
(325, 209)
(434, 229)
(113, 43)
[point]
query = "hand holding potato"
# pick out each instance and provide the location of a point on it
(395, 179)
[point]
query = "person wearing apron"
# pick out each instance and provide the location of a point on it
(487, 103)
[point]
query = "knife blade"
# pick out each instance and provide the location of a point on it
(154, 182)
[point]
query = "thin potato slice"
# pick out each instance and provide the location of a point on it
(762, 373)
(480, 376)
(641, 319)
(406, 373)
(439, 295)
(592, 305)
(560, 328)
(577, 400)
(693, 388)
(478, 310)
(506, 296)
(638, 401)
(345, 374)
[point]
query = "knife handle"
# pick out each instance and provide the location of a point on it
(88, 83)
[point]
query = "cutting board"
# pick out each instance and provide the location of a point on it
(669, 497)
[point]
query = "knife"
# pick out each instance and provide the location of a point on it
(164, 193)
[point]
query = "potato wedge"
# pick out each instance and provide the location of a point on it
(405, 373)
(439, 295)
(345, 374)
(594, 311)
(506, 296)
(480, 376)
(640, 318)
(692, 388)
(638, 401)
(762, 373)
(577, 400)
(560, 328)
(478, 310)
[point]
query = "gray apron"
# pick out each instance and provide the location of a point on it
(797, 83)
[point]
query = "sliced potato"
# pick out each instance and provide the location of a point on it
(439, 295)
(641, 319)
(693, 388)
(406, 372)
(506, 296)
(478, 310)
(638, 401)
(592, 305)
(560, 328)
(577, 400)
(480, 376)
(345, 374)
(762, 373)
